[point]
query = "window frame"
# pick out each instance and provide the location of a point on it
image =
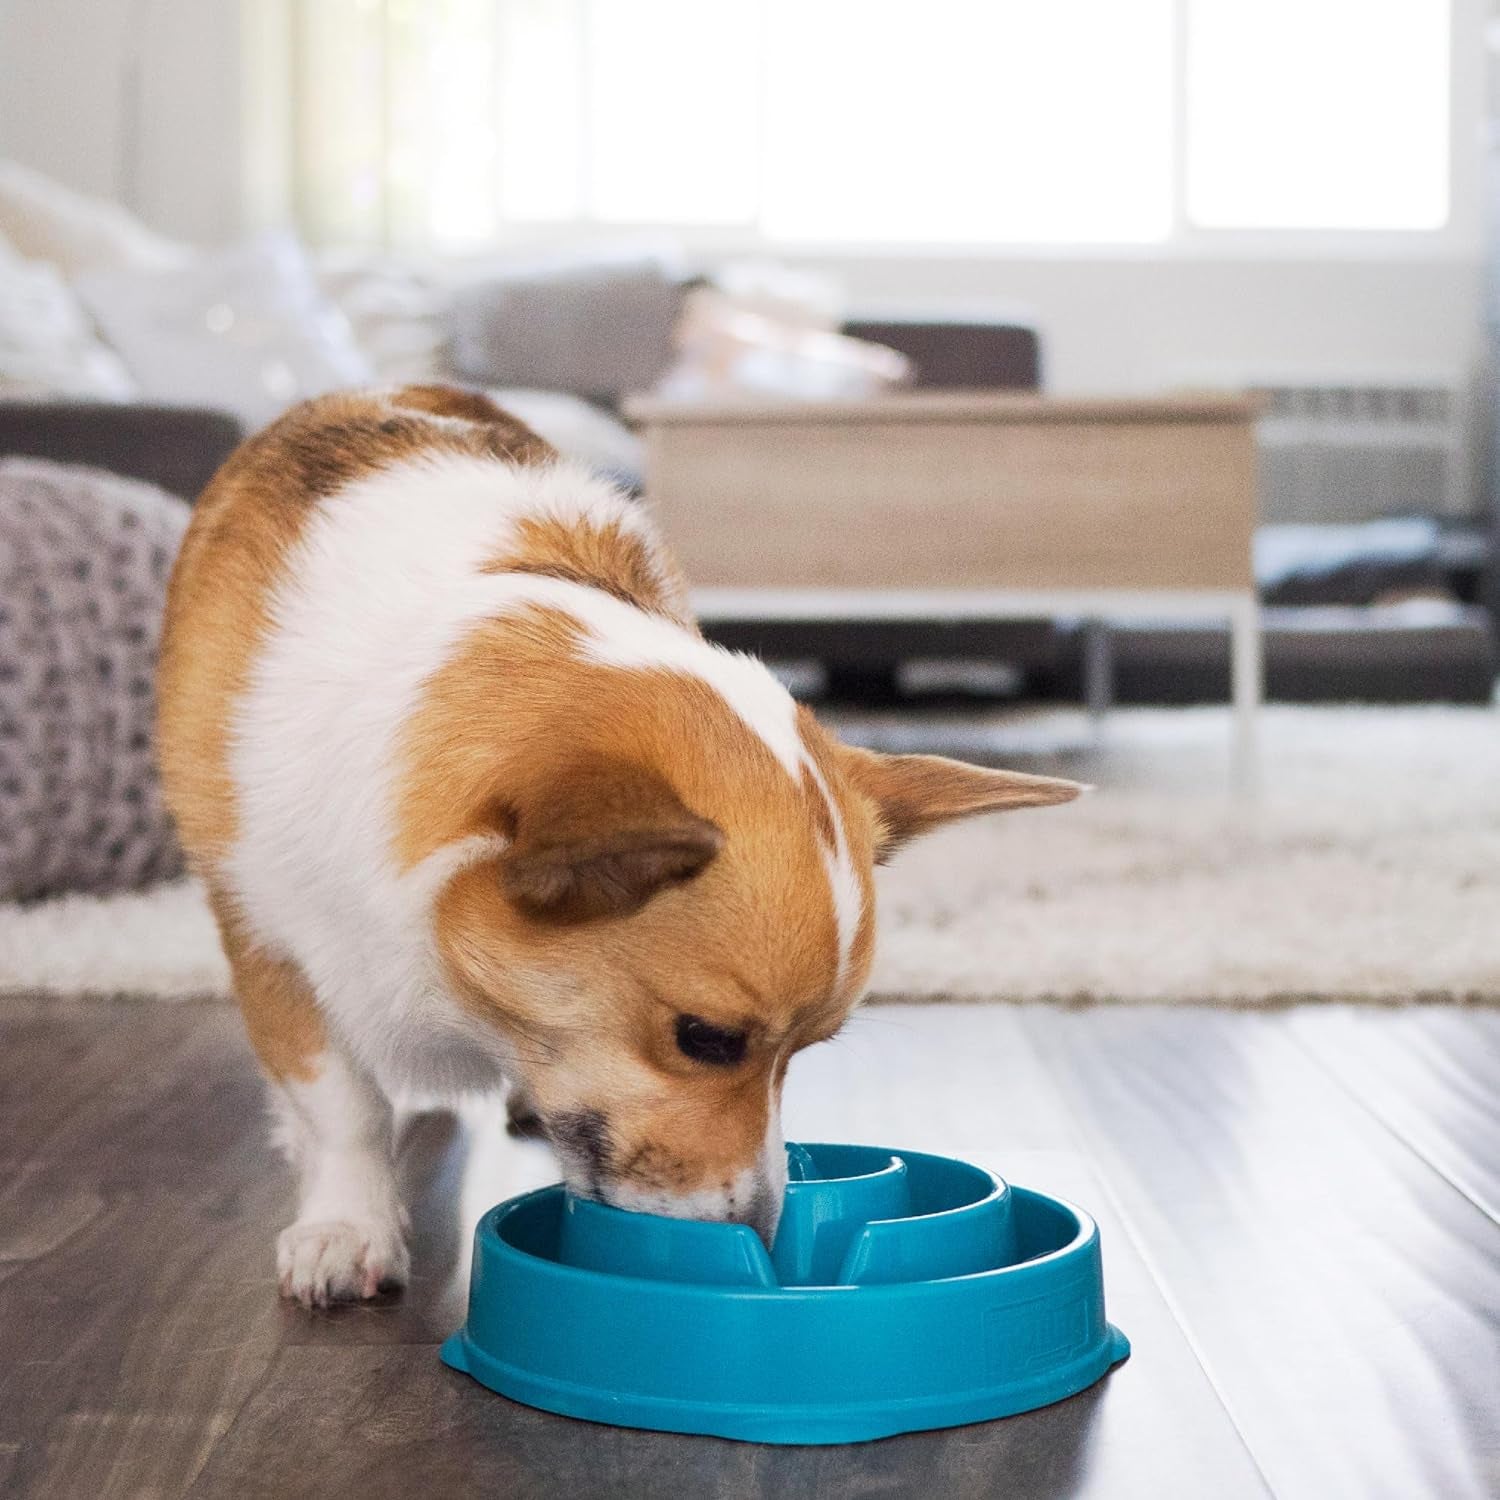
(1460, 238)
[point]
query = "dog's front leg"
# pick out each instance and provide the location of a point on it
(348, 1240)
(335, 1124)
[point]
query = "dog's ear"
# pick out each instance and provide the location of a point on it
(914, 793)
(598, 839)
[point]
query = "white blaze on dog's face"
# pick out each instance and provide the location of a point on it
(672, 918)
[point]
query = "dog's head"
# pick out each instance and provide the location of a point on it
(672, 916)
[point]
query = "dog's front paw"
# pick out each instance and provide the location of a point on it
(323, 1261)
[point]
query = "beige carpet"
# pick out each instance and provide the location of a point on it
(1367, 869)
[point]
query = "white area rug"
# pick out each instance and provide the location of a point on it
(1368, 870)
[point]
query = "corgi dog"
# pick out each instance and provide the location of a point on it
(474, 801)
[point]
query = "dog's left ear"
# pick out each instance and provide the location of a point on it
(599, 838)
(914, 793)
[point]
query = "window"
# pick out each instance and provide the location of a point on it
(997, 122)
(1317, 114)
(892, 122)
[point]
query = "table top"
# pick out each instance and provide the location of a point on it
(953, 406)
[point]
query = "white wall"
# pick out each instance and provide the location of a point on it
(1131, 324)
(60, 88)
(139, 100)
(1109, 322)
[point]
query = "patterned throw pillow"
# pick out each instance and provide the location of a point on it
(84, 562)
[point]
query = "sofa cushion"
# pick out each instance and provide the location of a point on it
(176, 447)
(960, 354)
(46, 221)
(245, 329)
(598, 329)
(46, 344)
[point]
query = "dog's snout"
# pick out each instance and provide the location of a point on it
(582, 1139)
(762, 1212)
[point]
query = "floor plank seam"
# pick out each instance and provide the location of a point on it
(1086, 1149)
(1357, 1097)
(239, 1412)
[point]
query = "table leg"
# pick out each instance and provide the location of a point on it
(1245, 671)
(1098, 672)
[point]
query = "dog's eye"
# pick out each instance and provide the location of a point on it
(704, 1042)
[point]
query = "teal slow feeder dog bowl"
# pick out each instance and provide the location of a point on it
(904, 1291)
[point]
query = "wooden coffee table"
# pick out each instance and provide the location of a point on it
(951, 506)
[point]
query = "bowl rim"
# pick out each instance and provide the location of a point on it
(1086, 1232)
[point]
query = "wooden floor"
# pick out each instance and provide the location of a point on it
(1299, 1211)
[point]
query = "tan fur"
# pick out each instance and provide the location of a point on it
(909, 795)
(605, 557)
(280, 1009)
(600, 840)
(651, 858)
(749, 943)
(463, 779)
(233, 556)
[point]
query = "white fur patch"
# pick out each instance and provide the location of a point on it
(843, 883)
(348, 1238)
(773, 1165)
(382, 587)
(625, 637)
(742, 1195)
(621, 636)
(381, 590)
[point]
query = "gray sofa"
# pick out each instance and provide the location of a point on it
(175, 447)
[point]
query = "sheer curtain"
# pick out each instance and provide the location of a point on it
(455, 123)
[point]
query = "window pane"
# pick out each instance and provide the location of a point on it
(1318, 114)
(340, 120)
(441, 156)
(673, 110)
(969, 120)
(540, 99)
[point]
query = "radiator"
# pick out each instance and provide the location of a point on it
(1356, 451)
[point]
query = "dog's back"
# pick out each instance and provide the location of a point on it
(330, 571)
